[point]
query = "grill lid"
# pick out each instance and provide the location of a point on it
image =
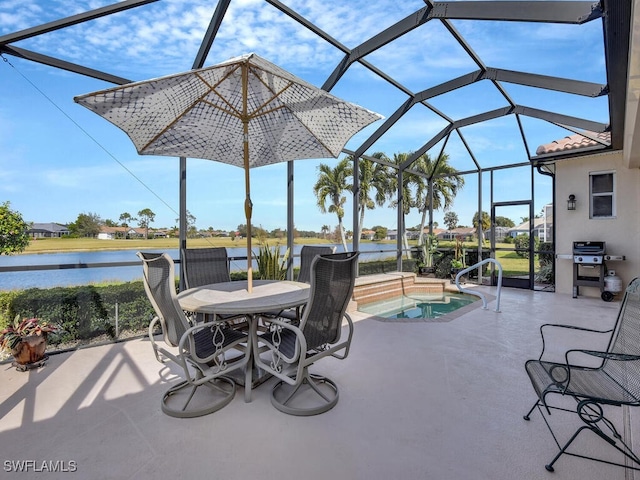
(589, 248)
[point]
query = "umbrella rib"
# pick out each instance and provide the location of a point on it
(257, 112)
(212, 88)
(233, 111)
(171, 124)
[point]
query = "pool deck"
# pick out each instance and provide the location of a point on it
(436, 401)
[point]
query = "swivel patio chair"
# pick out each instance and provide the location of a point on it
(291, 349)
(206, 353)
(203, 266)
(307, 254)
(612, 377)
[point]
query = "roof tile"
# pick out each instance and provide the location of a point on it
(574, 142)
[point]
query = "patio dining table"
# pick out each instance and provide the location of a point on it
(233, 298)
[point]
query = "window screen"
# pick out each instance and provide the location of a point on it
(602, 195)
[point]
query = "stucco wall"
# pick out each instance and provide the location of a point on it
(621, 233)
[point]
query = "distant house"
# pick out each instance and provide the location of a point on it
(466, 233)
(500, 233)
(412, 234)
(112, 233)
(367, 235)
(47, 230)
(539, 227)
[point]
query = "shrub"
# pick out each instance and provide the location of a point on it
(82, 312)
(522, 245)
(546, 255)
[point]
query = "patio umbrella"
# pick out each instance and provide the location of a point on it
(245, 112)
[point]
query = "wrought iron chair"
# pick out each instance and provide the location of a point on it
(206, 352)
(612, 378)
(203, 266)
(292, 349)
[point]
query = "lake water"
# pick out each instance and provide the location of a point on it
(84, 276)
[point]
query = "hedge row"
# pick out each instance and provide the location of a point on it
(82, 312)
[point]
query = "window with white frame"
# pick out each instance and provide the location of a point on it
(602, 201)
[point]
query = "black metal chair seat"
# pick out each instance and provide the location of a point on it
(593, 383)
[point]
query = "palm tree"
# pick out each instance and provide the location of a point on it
(330, 186)
(446, 184)
(374, 177)
(486, 223)
(325, 230)
(407, 195)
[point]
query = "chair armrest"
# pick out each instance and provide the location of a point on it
(611, 356)
(572, 327)
(275, 365)
(620, 357)
(346, 344)
(302, 341)
(188, 336)
(589, 335)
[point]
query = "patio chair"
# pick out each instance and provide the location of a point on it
(206, 353)
(292, 349)
(307, 254)
(203, 266)
(612, 377)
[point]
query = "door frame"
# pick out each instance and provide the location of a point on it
(527, 283)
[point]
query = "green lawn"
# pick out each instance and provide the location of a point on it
(54, 245)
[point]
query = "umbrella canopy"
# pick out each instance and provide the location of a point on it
(245, 111)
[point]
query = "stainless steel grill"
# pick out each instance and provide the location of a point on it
(589, 253)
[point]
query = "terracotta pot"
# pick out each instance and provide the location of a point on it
(30, 349)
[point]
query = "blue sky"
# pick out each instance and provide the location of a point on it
(57, 159)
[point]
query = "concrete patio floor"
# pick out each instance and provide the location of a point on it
(418, 400)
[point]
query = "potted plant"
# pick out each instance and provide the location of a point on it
(26, 340)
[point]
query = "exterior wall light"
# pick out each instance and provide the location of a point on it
(571, 203)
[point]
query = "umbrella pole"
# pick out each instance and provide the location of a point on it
(248, 206)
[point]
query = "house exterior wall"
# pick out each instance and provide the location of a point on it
(621, 233)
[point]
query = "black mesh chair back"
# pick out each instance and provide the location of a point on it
(625, 342)
(159, 275)
(203, 266)
(307, 254)
(332, 284)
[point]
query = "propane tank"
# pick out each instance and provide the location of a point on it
(612, 285)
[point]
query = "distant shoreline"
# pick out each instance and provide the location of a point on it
(58, 245)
